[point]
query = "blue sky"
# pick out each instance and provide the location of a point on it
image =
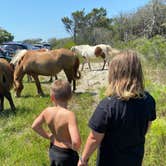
(32, 19)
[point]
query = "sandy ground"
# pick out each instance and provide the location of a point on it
(90, 81)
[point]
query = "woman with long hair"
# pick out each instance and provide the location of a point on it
(121, 120)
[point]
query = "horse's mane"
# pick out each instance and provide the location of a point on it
(17, 57)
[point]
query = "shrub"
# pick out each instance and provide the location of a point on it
(155, 147)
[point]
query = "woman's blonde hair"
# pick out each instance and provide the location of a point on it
(125, 76)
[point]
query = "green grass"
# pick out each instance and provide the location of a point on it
(19, 145)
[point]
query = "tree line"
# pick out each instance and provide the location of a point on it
(95, 27)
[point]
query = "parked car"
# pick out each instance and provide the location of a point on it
(46, 45)
(43, 45)
(5, 55)
(37, 46)
(12, 47)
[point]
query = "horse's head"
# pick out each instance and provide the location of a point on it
(99, 52)
(18, 86)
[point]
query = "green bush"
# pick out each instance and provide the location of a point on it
(64, 43)
(155, 147)
(153, 50)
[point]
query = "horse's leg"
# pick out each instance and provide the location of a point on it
(56, 77)
(108, 63)
(1, 102)
(104, 64)
(38, 85)
(50, 80)
(83, 63)
(29, 78)
(9, 97)
(70, 77)
(88, 60)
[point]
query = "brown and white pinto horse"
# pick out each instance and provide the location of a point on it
(101, 50)
(46, 63)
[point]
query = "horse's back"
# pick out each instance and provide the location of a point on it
(50, 62)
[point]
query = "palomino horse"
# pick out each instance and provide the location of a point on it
(46, 63)
(19, 54)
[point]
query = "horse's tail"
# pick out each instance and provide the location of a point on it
(77, 73)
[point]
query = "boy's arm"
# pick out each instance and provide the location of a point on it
(74, 132)
(37, 126)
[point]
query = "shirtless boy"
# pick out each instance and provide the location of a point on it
(64, 134)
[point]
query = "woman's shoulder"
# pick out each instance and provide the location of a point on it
(108, 101)
(149, 97)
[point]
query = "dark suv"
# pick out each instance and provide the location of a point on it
(12, 47)
(5, 55)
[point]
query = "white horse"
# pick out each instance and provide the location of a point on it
(87, 51)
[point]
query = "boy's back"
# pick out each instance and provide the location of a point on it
(59, 120)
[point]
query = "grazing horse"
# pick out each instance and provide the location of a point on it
(87, 51)
(6, 82)
(20, 54)
(46, 63)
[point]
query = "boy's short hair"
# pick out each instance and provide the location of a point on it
(61, 90)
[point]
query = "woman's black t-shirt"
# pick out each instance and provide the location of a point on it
(124, 124)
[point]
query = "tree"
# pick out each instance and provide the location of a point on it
(81, 26)
(75, 24)
(147, 21)
(5, 36)
(33, 41)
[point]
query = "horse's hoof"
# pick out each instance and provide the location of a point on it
(13, 108)
(17, 96)
(41, 94)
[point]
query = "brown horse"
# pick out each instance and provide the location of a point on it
(6, 82)
(46, 63)
(19, 54)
